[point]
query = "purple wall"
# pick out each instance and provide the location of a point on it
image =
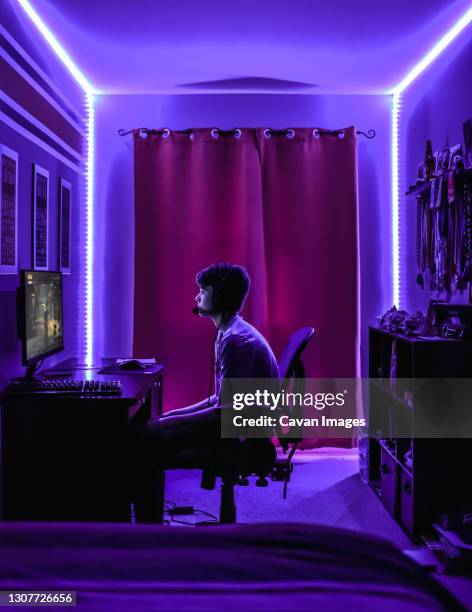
(20, 131)
(434, 107)
(15, 21)
(114, 217)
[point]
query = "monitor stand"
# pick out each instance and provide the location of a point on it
(29, 378)
(30, 370)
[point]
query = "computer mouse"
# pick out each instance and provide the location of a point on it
(132, 364)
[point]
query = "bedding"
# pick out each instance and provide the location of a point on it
(261, 567)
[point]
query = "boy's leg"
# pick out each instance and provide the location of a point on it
(157, 445)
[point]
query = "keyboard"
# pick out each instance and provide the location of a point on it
(62, 386)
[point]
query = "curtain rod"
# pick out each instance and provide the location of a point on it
(316, 132)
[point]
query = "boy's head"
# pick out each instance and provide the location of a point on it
(229, 287)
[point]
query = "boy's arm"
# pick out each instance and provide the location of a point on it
(191, 409)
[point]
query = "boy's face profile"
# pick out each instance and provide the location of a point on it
(204, 298)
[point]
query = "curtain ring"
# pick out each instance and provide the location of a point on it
(191, 135)
(165, 133)
(316, 133)
(290, 134)
(267, 133)
(237, 133)
(143, 134)
(341, 135)
(214, 134)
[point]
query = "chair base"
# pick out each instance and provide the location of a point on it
(227, 504)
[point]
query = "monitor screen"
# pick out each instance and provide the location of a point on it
(42, 333)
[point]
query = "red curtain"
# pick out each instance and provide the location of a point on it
(285, 208)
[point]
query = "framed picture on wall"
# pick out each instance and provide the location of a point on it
(40, 217)
(8, 211)
(64, 225)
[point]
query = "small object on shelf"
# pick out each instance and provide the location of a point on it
(400, 321)
(453, 320)
(429, 161)
(452, 328)
(393, 319)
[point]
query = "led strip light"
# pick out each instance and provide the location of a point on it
(89, 170)
(438, 48)
(397, 91)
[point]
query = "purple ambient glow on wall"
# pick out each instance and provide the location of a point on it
(87, 324)
(413, 74)
(396, 92)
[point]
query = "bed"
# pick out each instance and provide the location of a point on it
(259, 567)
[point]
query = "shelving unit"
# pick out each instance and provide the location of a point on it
(417, 479)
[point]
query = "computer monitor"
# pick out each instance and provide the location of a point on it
(40, 315)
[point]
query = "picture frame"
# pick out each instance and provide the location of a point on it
(40, 223)
(8, 210)
(65, 198)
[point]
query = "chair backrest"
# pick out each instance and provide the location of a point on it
(290, 366)
(289, 362)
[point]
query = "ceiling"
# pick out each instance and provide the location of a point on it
(329, 46)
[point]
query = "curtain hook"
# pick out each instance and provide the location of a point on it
(191, 135)
(165, 133)
(237, 133)
(143, 134)
(341, 135)
(290, 134)
(316, 133)
(267, 133)
(214, 133)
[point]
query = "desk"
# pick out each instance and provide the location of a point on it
(67, 458)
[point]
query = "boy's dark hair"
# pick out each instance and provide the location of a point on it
(230, 284)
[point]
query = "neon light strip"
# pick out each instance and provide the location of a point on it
(438, 48)
(396, 104)
(89, 230)
(414, 73)
(56, 46)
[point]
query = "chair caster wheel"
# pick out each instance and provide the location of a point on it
(261, 482)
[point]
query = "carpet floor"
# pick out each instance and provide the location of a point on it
(325, 488)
